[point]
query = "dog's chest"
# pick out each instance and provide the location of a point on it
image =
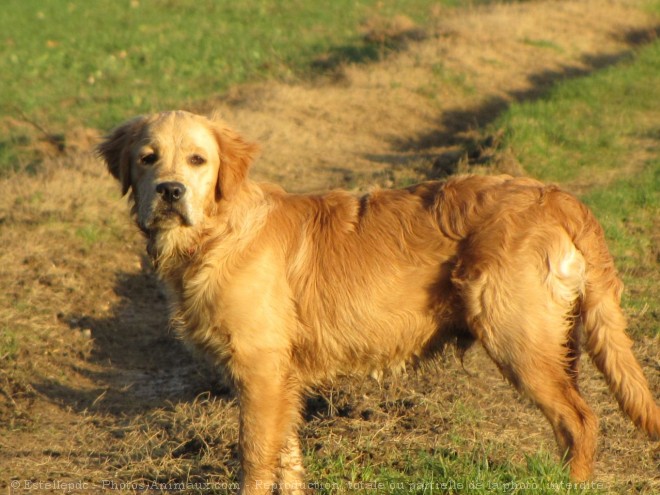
(234, 304)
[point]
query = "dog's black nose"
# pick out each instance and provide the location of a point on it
(171, 191)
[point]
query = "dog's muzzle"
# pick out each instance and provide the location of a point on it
(168, 209)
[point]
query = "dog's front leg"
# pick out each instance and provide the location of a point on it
(270, 404)
(292, 473)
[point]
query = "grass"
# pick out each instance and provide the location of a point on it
(629, 210)
(541, 43)
(444, 75)
(97, 63)
(91, 234)
(8, 344)
(94, 64)
(590, 125)
(447, 472)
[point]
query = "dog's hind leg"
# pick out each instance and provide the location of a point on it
(529, 332)
(553, 389)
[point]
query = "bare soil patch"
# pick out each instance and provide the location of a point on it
(94, 387)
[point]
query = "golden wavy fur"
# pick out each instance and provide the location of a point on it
(283, 291)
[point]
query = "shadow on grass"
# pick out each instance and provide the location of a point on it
(463, 128)
(382, 38)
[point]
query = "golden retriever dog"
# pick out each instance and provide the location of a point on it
(283, 291)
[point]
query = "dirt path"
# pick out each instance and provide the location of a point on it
(97, 389)
(361, 123)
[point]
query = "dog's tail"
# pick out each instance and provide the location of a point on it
(602, 317)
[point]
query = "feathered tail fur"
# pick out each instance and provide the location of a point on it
(602, 317)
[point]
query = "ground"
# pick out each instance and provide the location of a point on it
(93, 385)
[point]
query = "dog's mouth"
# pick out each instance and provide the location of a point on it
(164, 217)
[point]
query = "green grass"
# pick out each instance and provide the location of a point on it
(137, 56)
(591, 124)
(447, 472)
(97, 63)
(541, 43)
(444, 75)
(628, 205)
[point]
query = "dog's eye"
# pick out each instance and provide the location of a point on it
(196, 160)
(149, 159)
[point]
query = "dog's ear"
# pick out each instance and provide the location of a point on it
(236, 155)
(115, 151)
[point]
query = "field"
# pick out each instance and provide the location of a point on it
(95, 391)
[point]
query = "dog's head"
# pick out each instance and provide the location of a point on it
(178, 166)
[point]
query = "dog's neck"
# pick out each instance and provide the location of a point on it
(171, 246)
(173, 250)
